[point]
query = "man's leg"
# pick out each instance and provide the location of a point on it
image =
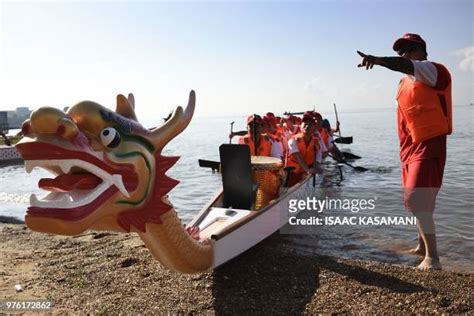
(422, 181)
(419, 250)
(427, 232)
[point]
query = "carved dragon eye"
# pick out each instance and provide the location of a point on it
(110, 137)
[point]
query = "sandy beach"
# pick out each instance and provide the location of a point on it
(110, 273)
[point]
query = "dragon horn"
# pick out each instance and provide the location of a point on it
(131, 100)
(180, 119)
(125, 107)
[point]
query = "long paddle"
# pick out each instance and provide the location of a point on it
(293, 113)
(341, 140)
(348, 155)
(254, 132)
(356, 168)
(337, 120)
(314, 165)
(231, 132)
(214, 165)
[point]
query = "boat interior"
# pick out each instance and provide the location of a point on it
(237, 202)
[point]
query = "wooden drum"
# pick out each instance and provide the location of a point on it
(266, 173)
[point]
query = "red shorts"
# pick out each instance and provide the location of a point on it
(421, 182)
(426, 173)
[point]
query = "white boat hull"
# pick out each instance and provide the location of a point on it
(242, 235)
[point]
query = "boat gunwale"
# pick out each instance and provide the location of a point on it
(206, 208)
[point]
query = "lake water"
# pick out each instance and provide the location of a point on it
(375, 139)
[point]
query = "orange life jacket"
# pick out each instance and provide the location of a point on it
(308, 152)
(427, 111)
(264, 147)
(324, 135)
(280, 137)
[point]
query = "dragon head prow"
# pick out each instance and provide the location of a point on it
(109, 172)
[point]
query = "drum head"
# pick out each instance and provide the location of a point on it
(264, 162)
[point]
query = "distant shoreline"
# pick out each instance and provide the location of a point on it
(10, 220)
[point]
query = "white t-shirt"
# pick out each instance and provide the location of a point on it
(425, 71)
(277, 149)
(292, 146)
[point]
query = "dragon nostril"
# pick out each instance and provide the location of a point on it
(60, 130)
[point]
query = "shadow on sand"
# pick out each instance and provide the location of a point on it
(271, 280)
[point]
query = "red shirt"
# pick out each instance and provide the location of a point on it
(436, 146)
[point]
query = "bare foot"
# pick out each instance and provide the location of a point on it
(429, 264)
(419, 251)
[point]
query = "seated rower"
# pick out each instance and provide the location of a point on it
(305, 152)
(291, 127)
(327, 136)
(318, 121)
(280, 133)
(260, 145)
(279, 148)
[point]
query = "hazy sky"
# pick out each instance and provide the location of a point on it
(241, 56)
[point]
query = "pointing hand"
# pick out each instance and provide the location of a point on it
(368, 61)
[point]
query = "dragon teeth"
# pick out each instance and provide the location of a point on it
(65, 166)
(29, 165)
(117, 181)
(65, 201)
(34, 200)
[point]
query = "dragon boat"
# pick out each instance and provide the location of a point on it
(110, 175)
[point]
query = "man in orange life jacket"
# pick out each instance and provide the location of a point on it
(259, 144)
(424, 120)
(270, 131)
(304, 151)
(276, 132)
(322, 144)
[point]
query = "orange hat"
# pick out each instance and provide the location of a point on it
(271, 118)
(407, 38)
(270, 115)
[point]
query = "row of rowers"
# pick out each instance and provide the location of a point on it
(301, 143)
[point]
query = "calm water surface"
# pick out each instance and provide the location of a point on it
(375, 139)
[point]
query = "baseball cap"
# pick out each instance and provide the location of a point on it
(408, 37)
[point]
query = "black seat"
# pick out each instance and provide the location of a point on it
(236, 172)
